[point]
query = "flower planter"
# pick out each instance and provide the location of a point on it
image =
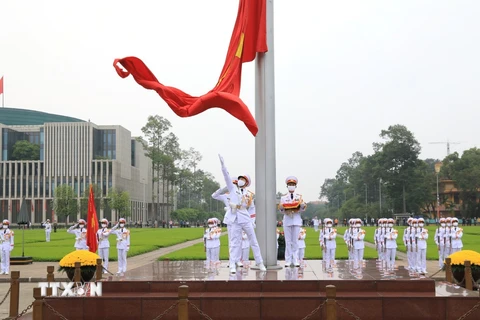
(86, 274)
(459, 276)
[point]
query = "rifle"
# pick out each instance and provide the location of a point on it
(351, 239)
(324, 245)
(416, 240)
(438, 238)
(411, 240)
(385, 241)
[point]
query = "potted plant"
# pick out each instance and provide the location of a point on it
(88, 264)
(458, 265)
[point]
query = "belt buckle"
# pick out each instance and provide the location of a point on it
(239, 206)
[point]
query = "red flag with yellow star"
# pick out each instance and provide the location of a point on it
(248, 37)
(92, 223)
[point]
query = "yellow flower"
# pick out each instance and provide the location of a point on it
(459, 257)
(85, 257)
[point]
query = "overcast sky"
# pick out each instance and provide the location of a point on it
(345, 70)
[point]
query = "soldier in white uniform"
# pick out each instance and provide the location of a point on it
(391, 236)
(301, 245)
(243, 209)
(328, 242)
(440, 240)
(407, 241)
(291, 205)
(348, 238)
(358, 244)
(6, 246)
(456, 236)
(422, 236)
(376, 240)
(414, 244)
(223, 196)
(211, 243)
(315, 223)
(80, 234)
(448, 243)
(123, 244)
(48, 230)
(103, 244)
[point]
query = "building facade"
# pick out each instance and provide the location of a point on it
(73, 152)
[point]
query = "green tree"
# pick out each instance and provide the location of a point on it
(65, 201)
(24, 150)
(120, 202)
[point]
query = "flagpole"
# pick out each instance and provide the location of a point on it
(265, 162)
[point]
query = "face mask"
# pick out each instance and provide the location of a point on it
(421, 225)
(358, 225)
(449, 224)
(455, 224)
(329, 225)
(390, 225)
(415, 225)
(442, 224)
(104, 225)
(81, 226)
(122, 225)
(5, 226)
(211, 225)
(291, 188)
(241, 183)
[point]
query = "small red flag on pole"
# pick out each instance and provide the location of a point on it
(92, 223)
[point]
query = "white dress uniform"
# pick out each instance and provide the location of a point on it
(348, 238)
(212, 242)
(414, 244)
(407, 236)
(448, 243)
(301, 244)
(292, 222)
(315, 224)
(104, 246)
(123, 245)
(391, 236)
(456, 238)
(6, 246)
(223, 196)
(377, 240)
(243, 208)
(245, 248)
(48, 231)
(422, 236)
(358, 246)
(327, 241)
(80, 237)
(440, 240)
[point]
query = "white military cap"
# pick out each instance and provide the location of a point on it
(291, 179)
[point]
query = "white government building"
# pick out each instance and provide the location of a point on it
(74, 152)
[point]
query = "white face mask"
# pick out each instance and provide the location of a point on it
(81, 226)
(291, 188)
(442, 224)
(122, 225)
(449, 224)
(211, 225)
(421, 225)
(241, 183)
(455, 224)
(358, 225)
(415, 225)
(104, 225)
(390, 225)
(5, 226)
(329, 225)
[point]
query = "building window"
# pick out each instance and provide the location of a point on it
(104, 144)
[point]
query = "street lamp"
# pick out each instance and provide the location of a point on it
(144, 203)
(366, 202)
(438, 166)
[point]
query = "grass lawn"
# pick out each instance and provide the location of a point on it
(142, 241)
(471, 241)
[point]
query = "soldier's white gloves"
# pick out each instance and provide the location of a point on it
(233, 206)
(226, 208)
(222, 162)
